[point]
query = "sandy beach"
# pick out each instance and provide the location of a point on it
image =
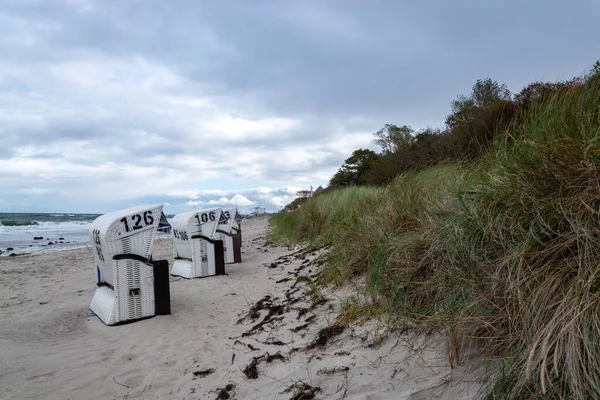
(256, 333)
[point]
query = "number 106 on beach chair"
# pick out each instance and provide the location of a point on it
(197, 246)
(130, 285)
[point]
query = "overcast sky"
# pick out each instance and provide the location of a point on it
(106, 103)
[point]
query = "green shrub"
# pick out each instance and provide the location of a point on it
(504, 250)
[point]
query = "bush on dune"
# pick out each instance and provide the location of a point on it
(537, 210)
(504, 250)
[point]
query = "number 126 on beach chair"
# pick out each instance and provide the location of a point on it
(130, 285)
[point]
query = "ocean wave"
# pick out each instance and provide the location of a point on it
(23, 218)
(10, 222)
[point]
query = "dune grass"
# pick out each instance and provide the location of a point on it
(505, 252)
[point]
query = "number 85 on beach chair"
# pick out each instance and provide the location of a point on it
(197, 247)
(130, 285)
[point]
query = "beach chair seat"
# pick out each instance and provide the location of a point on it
(198, 249)
(131, 285)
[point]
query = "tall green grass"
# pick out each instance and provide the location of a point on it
(505, 252)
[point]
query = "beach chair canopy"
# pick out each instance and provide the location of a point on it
(164, 225)
(127, 231)
(198, 249)
(198, 224)
(227, 219)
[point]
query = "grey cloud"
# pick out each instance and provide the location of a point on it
(99, 101)
(415, 48)
(272, 199)
(395, 59)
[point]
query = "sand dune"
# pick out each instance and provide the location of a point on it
(214, 345)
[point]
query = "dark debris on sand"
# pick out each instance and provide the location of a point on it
(254, 312)
(202, 374)
(302, 391)
(224, 393)
(273, 315)
(251, 370)
(324, 335)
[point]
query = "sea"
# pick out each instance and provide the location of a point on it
(33, 232)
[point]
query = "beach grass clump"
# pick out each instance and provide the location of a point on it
(536, 212)
(358, 309)
(503, 251)
(324, 218)
(17, 223)
(285, 230)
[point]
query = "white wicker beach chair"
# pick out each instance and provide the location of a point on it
(224, 231)
(236, 229)
(197, 249)
(122, 244)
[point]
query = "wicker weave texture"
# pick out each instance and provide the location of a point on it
(104, 305)
(198, 251)
(129, 231)
(183, 268)
(228, 249)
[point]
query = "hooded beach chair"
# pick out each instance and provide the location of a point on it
(130, 285)
(236, 228)
(229, 231)
(198, 249)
